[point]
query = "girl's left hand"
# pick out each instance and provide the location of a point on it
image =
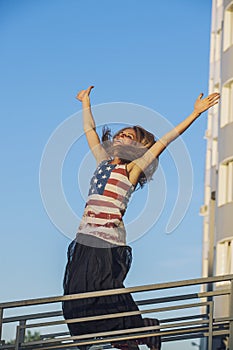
(84, 94)
(201, 105)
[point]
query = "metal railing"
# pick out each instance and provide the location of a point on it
(183, 315)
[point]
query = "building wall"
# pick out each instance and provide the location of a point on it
(224, 198)
(217, 209)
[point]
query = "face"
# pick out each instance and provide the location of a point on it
(126, 137)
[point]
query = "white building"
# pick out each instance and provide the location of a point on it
(217, 210)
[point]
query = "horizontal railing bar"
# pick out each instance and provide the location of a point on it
(214, 293)
(182, 337)
(183, 297)
(221, 332)
(32, 316)
(167, 299)
(49, 335)
(158, 286)
(222, 319)
(201, 316)
(192, 336)
(115, 315)
(182, 324)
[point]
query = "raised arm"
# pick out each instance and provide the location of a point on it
(200, 106)
(89, 126)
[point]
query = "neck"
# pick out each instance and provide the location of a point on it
(116, 160)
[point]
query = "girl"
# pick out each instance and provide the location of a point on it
(99, 258)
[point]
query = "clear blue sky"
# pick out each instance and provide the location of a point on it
(152, 53)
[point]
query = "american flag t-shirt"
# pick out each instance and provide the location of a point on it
(110, 190)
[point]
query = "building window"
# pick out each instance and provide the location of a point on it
(225, 185)
(208, 159)
(218, 45)
(224, 258)
(212, 37)
(228, 27)
(214, 152)
(215, 111)
(227, 104)
(207, 194)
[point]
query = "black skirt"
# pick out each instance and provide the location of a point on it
(93, 265)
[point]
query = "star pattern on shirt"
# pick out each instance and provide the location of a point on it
(100, 178)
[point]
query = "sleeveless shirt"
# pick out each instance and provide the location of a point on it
(109, 194)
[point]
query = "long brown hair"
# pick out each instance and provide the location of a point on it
(128, 153)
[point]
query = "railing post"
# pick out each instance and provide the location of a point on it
(1, 322)
(210, 336)
(20, 334)
(231, 318)
(209, 312)
(22, 331)
(17, 343)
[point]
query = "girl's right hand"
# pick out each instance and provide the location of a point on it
(84, 94)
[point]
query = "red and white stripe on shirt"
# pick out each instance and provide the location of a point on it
(106, 204)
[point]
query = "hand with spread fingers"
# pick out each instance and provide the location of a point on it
(84, 94)
(202, 104)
